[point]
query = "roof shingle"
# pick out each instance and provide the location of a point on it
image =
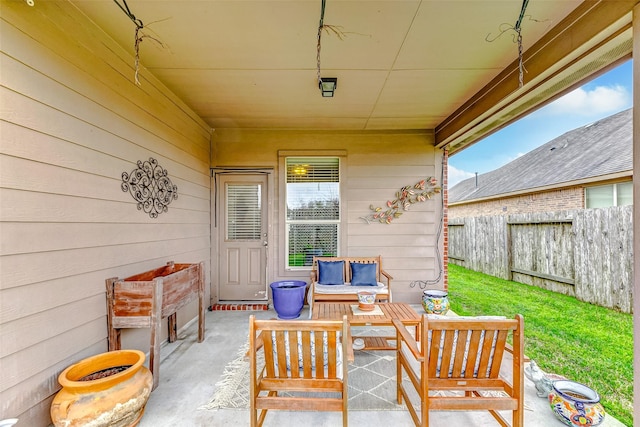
(600, 148)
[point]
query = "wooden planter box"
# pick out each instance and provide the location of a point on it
(143, 300)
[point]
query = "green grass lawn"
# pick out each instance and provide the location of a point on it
(581, 341)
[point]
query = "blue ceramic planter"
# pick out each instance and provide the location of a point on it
(288, 298)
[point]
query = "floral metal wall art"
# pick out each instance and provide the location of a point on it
(150, 187)
(407, 196)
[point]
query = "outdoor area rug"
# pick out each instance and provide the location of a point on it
(372, 382)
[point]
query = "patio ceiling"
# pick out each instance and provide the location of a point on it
(447, 65)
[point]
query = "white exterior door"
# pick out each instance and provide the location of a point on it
(242, 260)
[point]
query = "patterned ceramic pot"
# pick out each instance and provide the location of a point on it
(366, 300)
(435, 302)
(576, 404)
(107, 390)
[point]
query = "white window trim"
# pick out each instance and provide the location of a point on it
(283, 269)
(614, 194)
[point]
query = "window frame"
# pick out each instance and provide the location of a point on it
(614, 194)
(285, 269)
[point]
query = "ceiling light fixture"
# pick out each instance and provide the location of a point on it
(328, 85)
(300, 170)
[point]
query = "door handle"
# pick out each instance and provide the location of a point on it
(265, 243)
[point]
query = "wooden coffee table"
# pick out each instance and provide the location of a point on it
(390, 310)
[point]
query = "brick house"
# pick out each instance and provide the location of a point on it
(587, 167)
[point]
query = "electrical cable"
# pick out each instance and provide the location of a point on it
(423, 284)
(130, 15)
(319, 45)
(518, 30)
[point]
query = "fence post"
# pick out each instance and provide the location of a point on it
(509, 249)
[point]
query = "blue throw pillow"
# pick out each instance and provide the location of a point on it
(363, 274)
(331, 272)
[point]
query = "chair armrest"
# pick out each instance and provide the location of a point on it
(310, 297)
(351, 357)
(509, 349)
(259, 344)
(388, 276)
(404, 335)
(313, 279)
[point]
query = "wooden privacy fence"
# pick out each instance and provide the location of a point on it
(585, 253)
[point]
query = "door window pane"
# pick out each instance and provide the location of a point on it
(244, 221)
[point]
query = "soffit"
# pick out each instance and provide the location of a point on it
(400, 64)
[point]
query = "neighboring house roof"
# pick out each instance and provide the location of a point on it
(597, 149)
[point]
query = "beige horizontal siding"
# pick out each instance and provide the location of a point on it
(44, 133)
(72, 121)
(24, 237)
(377, 165)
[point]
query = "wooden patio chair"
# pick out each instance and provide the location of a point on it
(305, 366)
(456, 366)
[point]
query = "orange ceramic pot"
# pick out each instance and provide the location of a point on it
(112, 399)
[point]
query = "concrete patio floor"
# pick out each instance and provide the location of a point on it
(190, 370)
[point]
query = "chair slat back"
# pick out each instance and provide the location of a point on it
(300, 349)
(465, 348)
(455, 360)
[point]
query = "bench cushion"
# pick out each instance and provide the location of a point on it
(348, 289)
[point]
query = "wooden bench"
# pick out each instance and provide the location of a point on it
(346, 292)
(456, 366)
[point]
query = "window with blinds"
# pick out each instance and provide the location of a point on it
(313, 208)
(243, 212)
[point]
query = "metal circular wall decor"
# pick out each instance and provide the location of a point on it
(150, 186)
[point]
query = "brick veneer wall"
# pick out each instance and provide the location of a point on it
(552, 200)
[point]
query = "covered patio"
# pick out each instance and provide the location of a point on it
(222, 99)
(182, 396)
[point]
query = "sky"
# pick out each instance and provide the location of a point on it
(602, 97)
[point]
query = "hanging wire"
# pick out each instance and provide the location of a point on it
(520, 60)
(139, 36)
(518, 28)
(319, 46)
(136, 45)
(525, 3)
(127, 11)
(330, 29)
